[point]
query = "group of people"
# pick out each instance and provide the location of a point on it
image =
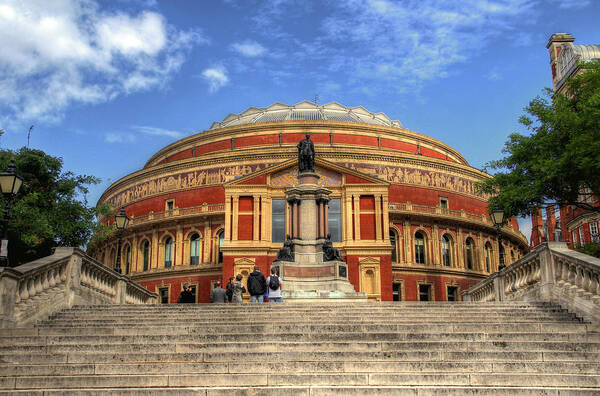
(261, 289)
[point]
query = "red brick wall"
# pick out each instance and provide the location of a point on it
(183, 199)
(188, 153)
(367, 220)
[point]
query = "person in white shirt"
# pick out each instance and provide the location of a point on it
(274, 294)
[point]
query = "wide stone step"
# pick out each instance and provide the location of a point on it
(66, 369)
(306, 379)
(270, 347)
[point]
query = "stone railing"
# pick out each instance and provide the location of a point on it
(551, 272)
(69, 277)
(438, 211)
(178, 212)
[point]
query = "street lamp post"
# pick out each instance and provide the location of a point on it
(498, 219)
(121, 221)
(10, 183)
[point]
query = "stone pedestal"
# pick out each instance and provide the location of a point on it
(309, 277)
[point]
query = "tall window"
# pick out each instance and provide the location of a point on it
(146, 254)
(581, 236)
(221, 241)
(127, 258)
(574, 237)
(446, 256)
(488, 257)
(334, 214)
(419, 248)
(168, 252)
(278, 220)
(194, 249)
(594, 231)
(393, 239)
(469, 251)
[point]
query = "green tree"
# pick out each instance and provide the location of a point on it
(50, 209)
(558, 162)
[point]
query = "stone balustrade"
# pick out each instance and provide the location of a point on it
(69, 277)
(458, 215)
(552, 273)
(205, 208)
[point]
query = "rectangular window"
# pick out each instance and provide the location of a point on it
(452, 293)
(335, 219)
(574, 237)
(397, 291)
(594, 231)
(193, 290)
(163, 292)
(424, 292)
(169, 205)
(581, 236)
(278, 218)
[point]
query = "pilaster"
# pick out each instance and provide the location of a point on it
(154, 260)
(378, 220)
(356, 214)
(236, 211)
(178, 246)
(255, 218)
(206, 242)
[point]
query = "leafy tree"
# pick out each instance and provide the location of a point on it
(48, 210)
(559, 161)
(593, 249)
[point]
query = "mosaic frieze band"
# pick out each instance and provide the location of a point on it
(220, 175)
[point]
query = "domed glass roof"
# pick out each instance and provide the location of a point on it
(306, 111)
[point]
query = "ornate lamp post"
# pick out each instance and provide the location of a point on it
(498, 219)
(10, 183)
(121, 220)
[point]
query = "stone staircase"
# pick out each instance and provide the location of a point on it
(384, 348)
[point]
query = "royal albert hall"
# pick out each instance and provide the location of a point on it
(403, 211)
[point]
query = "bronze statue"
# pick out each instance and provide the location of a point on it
(286, 253)
(329, 252)
(306, 155)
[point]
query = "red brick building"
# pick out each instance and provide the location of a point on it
(404, 211)
(567, 223)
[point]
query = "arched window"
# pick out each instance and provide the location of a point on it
(220, 252)
(469, 252)
(194, 249)
(146, 254)
(168, 252)
(393, 242)
(419, 248)
(488, 257)
(446, 252)
(127, 258)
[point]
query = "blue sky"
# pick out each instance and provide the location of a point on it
(108, 83)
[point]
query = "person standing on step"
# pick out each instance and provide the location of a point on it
(257, 285)
(218, 294)
(186, 295)
(274, 282)
(229, 289)
(237, 290)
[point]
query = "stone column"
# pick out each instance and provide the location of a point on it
(349, 214)
(378, 222)
(386, 218)
(236, 211)
(264, 213)
(326, 216)
(356, 214)
(255, 217)
(228, 224)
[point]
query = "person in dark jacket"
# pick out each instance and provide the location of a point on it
(229, 289)
(218, 294)
(257, 285)
(186, 295)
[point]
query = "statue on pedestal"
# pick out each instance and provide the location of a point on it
(306, 155)
(329, 252)
(286, 253)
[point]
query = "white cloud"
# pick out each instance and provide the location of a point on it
(216, 78)
(119, 137)
(58, 53)
(494, 75)
(249, 48)
(564, 4)
(126, 137)
(159, 131)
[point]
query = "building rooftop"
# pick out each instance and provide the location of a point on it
(306, 111)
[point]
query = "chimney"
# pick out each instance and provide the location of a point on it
(554, 45)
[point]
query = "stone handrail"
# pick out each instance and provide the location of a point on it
(69, 277)
(551, 272)
(178, 212)
(437, 211)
